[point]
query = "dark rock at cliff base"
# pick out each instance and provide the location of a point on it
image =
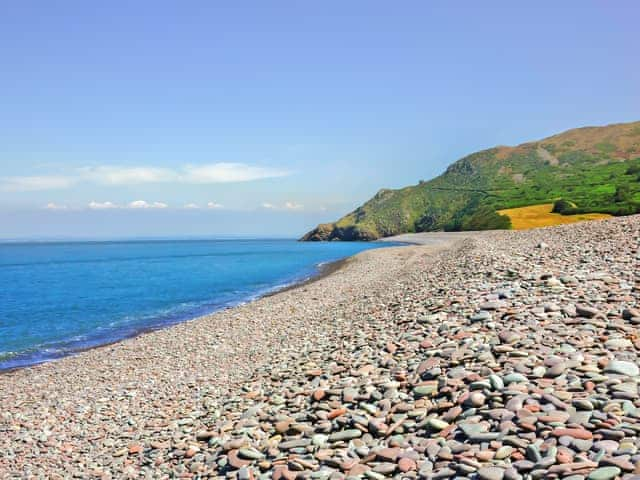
(327, 232)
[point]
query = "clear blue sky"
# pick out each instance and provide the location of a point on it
(256, 118)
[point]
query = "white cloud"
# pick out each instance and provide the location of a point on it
(223, 172)
(144, 204)
(28, 184)
(293, 206)
(55, 206)
(113, 175)
(228, 173)
(285, 206)
(102, 205)
(214, 205)
(191, 206)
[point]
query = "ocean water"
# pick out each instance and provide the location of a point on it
(58, 298)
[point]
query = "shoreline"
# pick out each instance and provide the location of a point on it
(322, 271)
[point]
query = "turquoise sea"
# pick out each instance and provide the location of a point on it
(59, 297)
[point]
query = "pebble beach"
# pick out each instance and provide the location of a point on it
(496, 355)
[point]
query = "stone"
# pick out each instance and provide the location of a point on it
(250, 454)
(582, 404)
(503, 452)
(235, 461)
(318, 394)
(481, 316)
(622, 367)
(577, 433)
(407, 465)
(425, 390)
(587, 311)
(296, 443)
(496, 382)
(477, 399)
(514, 378)
(345, 435)
(388, 454)
(604, 473)
(618, 343)
(491, 473)
(556, 370)
(629, 313)
(437, 424)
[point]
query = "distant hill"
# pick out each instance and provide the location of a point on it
(592, 169)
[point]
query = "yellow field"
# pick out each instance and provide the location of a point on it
(537, 216)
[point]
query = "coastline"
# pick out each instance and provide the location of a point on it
(321, 271)
(432, 329)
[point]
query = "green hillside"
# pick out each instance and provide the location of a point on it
(595, 169)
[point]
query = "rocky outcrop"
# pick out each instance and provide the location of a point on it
(327, 232)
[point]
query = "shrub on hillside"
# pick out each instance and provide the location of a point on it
(623, 194)
(487, 219)
(633, 169)
(563, 207)
(483, 218)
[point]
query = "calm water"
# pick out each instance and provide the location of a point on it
(56, 298)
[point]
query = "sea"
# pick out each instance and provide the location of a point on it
(57, 298)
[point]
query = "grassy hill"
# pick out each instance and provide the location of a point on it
(592, 169)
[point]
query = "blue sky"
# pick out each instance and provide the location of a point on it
(163, 118)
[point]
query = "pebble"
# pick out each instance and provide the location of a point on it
(481, 316)
(437, 424)
(345, 435)
(623, 368)
(491, 473)
(477, 399)
(407, 465)
(604, 473)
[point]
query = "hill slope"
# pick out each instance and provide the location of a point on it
(596, 169)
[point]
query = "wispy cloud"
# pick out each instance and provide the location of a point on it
(118, 175)
(293, 206)
(134, 205)
(112, 175)
(27, 184)
(55, 206)
(102, 205)
(145, 204)
(228, 173)
(286, 206)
